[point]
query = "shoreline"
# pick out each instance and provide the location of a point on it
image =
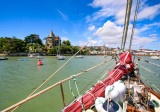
(26, 54)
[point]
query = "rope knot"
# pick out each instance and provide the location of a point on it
(74, 77)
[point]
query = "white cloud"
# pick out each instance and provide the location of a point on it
(64, 31)
(117, 9)
(91, 28)
(146, 27)
(153, 35)
(149, 12)
(94, 42)
(112, 36)
(108, 8)
(62, 14)
(64, 38)
(106, 3)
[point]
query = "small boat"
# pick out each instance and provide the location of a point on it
(3, 58)
(60, 57)
(23, 59)
(155, 57)
(105, 56)
(31, 56)
(79, 56)
(39, 57)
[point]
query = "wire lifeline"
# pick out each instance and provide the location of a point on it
(149, 70)
(150, 83)
(107, 71)
(149, 62)
(67, 61)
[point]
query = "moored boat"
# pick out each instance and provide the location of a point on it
(79, 56)
(155, 57)
(23, 59)
(3, 58)
(39, 57)
(60, 57)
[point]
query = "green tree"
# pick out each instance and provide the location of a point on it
(12, 44)
(86, 51)
(34, 39)
(65, 49)
(33, 43)
(68, 43)
(74, 49)
(3, 41)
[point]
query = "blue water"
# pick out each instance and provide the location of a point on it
(20, 78)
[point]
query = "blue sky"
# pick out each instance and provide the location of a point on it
(79, 20)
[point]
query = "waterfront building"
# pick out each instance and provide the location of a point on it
(52, 41)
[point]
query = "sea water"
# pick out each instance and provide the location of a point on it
(20, 78)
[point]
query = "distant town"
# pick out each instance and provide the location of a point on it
(32, 44)
(106, 50)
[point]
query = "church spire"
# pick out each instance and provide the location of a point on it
(51, 34)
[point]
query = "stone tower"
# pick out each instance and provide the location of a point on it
(52, 41)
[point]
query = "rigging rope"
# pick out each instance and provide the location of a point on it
(134, 23)
(127, 23)
(67, 61)
(124, 26)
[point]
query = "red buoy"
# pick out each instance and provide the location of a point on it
(39, 62)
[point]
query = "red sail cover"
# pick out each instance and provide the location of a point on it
(99, 89)
(126, 57)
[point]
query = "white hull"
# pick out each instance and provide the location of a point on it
(59, 57)
(79, 56)
(155, 57)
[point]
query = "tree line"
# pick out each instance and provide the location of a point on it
(33, 43)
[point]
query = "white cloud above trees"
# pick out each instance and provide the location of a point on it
(112, 34)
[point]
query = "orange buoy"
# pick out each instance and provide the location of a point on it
(39, 62)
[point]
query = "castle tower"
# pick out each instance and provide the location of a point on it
(52, 40)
